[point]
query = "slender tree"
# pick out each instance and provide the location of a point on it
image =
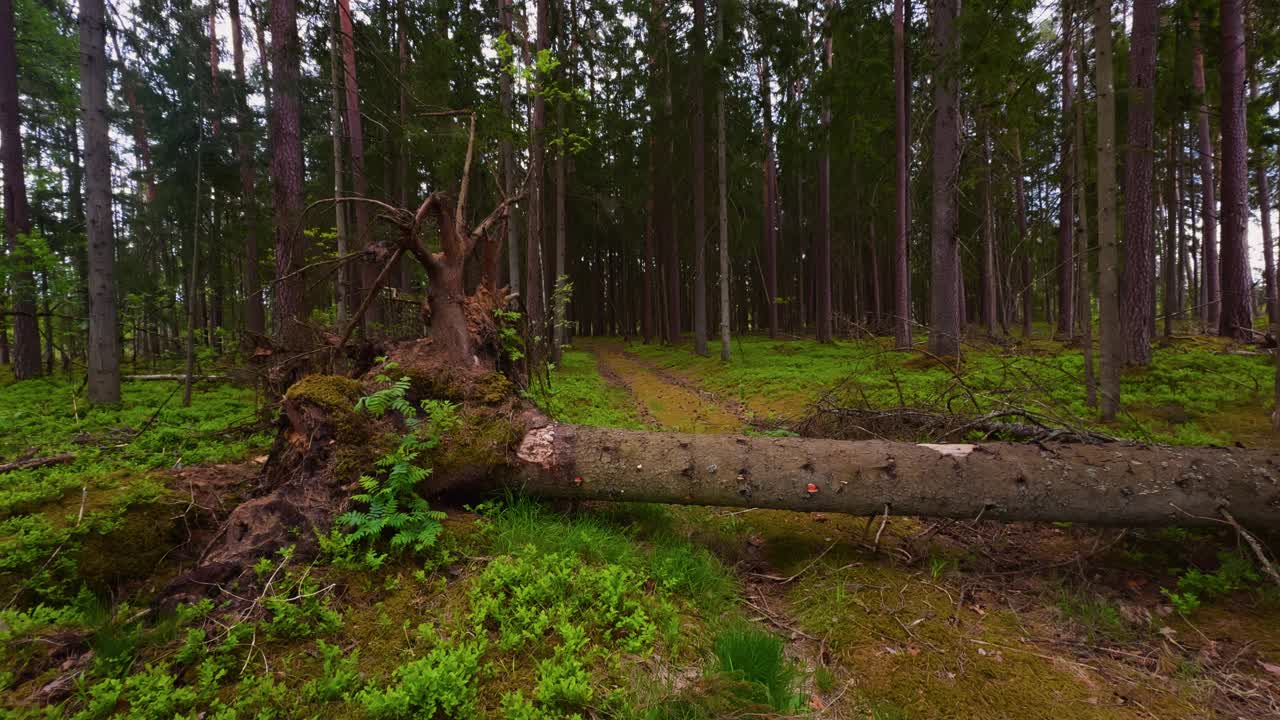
(822, 253)
(355, 148)
(286, 174)
(1209, 206)
(945, 313)
(104, 350)
(255, 319)
(1084, 298)
(347, 302)
(1066, 211)
(506, 99)
(1108, 260)
(989, 309)
(902, 110)
(723, 179)
(1024, 238)
(698, 125)
(1264, 214)
(25, 356)
(1236, 316)
(1138, 281)
(534, 302)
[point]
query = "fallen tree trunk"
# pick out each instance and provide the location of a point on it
(1114, 484)
(178, 377)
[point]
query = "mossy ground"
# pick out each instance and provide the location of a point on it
(932, 620)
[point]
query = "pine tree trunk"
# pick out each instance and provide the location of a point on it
(723, 179)
(1024, 239)
(1084, 298)
(347, 302)
(17, 215)
(1236, 315)
(355, 146)
(770, 203)
(104, 349)
(902, 111)
(698, 121)
(1066, 212)
(286, 173)
(649, 270)
(1098, 484)
(1209, 274)
(1170, 255)
(534, 300)
(1264, 212)
(255, 319)
(506, 147)
(1108, 272)
(1138, 281)
(945, 307)
(989, 307)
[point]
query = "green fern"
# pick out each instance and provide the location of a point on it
(393, 506)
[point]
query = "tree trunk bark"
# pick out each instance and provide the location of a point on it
(104, 349)
(1209, 275)
(770, 202)
(1170, 256)
(1024, 239)
(355, 146)
(989, 308)
(506, 147)
(1138, 280)
(945, 308)
(286, 173)
(1098, 484)
(22, 284)
(1236, 315)
(1108, 291)
(346, 300)
(255, 318)
(698, 120)
(1264, 212)
(1066, 211)
(723, 179)
(533, 288)
(901, 245)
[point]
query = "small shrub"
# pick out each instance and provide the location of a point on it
(442, 684)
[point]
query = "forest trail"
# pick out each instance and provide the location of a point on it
(663, 402)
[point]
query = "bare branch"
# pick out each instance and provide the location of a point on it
(460, 213)
(368, 299)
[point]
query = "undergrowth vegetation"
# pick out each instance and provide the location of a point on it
(1193, 393)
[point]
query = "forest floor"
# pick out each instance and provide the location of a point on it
(533, 610)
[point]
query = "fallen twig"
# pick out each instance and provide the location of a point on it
(40, 462)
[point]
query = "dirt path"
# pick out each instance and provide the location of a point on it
(663, 402)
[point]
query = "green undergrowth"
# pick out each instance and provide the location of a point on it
(1193, 393)
(105, 517)
(578, 394)
(519, 611)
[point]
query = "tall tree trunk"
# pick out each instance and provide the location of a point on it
(286, 174)
(255, 319)
(1209, 274)
(698, 120)
(1108, 273)
(137, 115)
(1170, 256)
(901, 244)
(989, 308)
(723, 179)
(533, 288)
(666, 204)
(649, 271)
(264, 53)
(822, 254)
(104, 349)
(945, 311)
(559, 307)
(1137, 314)
(770, 202)
(1236, 316)
(1024, 239)
(1084, 298)
(355, 147)
(1066, 211)
(347, 300)
(402, 133)
(506, 147)
(1264, 212)
(17, 215)
(193, 277)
